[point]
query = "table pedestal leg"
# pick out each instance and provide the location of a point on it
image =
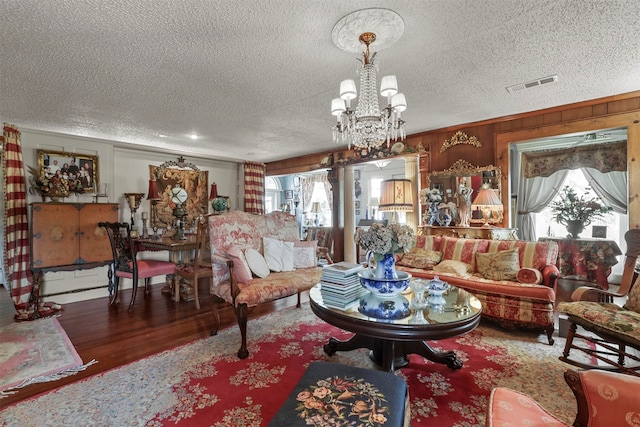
(391, 354)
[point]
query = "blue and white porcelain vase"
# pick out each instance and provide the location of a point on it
(384, 268)
(434, 213)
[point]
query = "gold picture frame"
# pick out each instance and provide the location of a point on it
(80, 170)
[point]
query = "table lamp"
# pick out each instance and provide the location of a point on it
(315, 209)
(154, 198)
(134, 203)
(487, 201)
(396, 195)
(218, 203)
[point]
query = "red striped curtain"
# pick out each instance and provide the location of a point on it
(16, 233)
(254, 187)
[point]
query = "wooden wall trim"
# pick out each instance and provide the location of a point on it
(595, 109)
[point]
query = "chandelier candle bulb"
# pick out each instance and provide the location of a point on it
(132, 202)
(145, 215)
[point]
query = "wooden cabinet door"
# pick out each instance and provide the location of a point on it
(54, 229)
(94, 243)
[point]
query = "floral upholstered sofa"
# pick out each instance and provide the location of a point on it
(513, 279)
(257, 259)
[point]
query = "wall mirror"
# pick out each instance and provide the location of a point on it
(448, 181)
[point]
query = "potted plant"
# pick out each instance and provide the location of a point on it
(576, 212)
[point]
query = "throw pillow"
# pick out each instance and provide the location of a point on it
(529, 275)
(240, 267)
(304, 254)
(421, 258)
(633, 298)
(459, 249)
(256, 262)
(272, 253)
(501, 265)
(457, 268)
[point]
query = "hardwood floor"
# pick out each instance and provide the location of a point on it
(115, 337)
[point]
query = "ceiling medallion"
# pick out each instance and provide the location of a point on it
(460, 138)
(368, 127)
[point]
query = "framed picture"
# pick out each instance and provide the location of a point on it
(599, 231)
(356, 174)
(80, 170)
(357, 212)
(357, 204)
(288, 194)
(195, 182)
(439, 186)
(296, 181)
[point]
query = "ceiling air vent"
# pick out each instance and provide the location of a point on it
(533, 83)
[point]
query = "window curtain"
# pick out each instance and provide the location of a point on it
(254, 174)
(307, 183)
(17, 258)
(534, 194)
(327, 188)
(611, 187)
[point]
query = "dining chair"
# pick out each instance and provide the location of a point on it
(125, 263)
(189, 273)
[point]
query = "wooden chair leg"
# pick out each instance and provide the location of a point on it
(216, 315)
(114, 291)
(196, 284)
(134, 291)
(242, 314)
(147, 287)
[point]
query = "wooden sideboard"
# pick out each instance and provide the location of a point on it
(66, 236)
(490, 233)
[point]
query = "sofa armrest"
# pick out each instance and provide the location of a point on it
(550, 274)
(233, 282)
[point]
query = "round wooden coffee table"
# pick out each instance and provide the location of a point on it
(390, 341)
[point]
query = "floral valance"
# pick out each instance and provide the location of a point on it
(603, 157)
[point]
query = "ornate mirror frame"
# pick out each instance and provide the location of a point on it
(474, 176)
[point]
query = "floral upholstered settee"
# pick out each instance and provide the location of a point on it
(258, 259)
(513, 279)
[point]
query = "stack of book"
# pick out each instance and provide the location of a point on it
(340, 284)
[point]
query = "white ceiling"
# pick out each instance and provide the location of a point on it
(255, 78)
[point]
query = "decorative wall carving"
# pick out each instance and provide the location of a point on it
(460, 138)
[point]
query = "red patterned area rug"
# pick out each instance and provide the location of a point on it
(35, 351)
(205, 384)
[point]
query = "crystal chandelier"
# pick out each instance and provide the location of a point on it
(367, 127)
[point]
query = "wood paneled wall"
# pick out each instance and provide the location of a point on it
(496, 135)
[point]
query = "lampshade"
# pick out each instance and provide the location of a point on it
(487, 201)
(388, 86)
(374, 201)
(487, 197)
(396, 195)
(315, 207)
(214, 191)
(152, 192)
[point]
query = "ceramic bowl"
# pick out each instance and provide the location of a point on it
(437, 286)
(386, 308)
(384, 287)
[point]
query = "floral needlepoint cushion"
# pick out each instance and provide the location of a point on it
(333, 394)
(633, 300)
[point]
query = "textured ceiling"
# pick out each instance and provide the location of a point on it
(255, 78)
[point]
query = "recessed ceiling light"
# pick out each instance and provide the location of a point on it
(162, 135)
(193, 136)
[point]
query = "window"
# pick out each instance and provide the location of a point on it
(271, 194)
(616, 223)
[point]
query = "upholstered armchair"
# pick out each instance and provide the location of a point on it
(324, 237)
(610, 328)
(603, 398)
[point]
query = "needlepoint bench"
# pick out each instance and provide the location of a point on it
(354, 396)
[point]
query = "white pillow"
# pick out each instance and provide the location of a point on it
(256, 262)
(273, 253)
(278, 254)
(287, 256)
(305, 254)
